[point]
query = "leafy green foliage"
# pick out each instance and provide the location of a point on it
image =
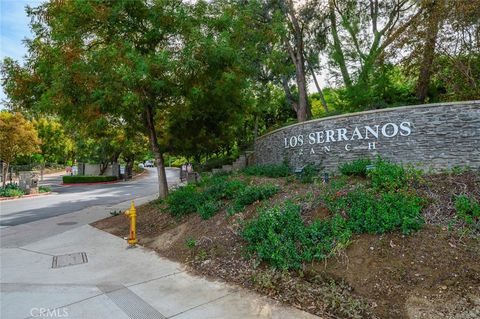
(208, 208)
(87, 179)
(355, 168)
(251, 194)
(377, 213)
(468, 209)
(276, 235)
(308, 174)
(207, 198)
(44, 189)
(11, 190)
(191, 243)
(269, 170)
(279, 237)
(184, 200)
(387, 176)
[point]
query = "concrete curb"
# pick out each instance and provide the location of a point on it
(82, 184)
(24, 196)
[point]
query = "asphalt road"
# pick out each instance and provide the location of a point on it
(69, 199)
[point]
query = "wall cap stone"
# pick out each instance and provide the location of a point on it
(390, 109)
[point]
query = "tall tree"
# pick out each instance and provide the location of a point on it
(141, 63)
(361, 32)
(17, 137)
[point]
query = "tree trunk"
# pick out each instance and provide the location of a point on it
(289, 95)
(129, 167)
(339, 56)
(304, 113)
(255, 129)
(152, 134)
(4, 173)
(320, 92)
(103, 167)
(428, 52)
(297, 55)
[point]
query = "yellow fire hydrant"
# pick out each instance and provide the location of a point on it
(132, 214)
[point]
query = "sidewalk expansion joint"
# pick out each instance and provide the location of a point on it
(200, 305)
(153, 279)
(36, 252)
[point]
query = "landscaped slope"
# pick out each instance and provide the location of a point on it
(386, 243)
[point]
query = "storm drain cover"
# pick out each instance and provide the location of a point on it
(66, 223)
(69, 260)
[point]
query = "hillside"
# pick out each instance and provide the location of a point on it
(388, 243)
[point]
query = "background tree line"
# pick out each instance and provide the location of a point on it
(204, 79)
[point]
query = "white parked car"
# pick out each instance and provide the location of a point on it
(149, 163)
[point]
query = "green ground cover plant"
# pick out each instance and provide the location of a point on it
(468, 209)
(209, 196)
(183, 200)
(87, 179)
(11, 190)
(271, 170)
(355, 168)
(388, 176)
(383, 204)
(308, 174)
(44, 189)
(251, 194)
(279, 237)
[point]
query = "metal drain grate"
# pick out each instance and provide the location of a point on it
(130, 303)
(69, 260)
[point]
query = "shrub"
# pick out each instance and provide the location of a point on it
(273, 171)
(355, 168)
(326, 237)
(308, 174)
(377, 214)
(11, 190)
(251, 194)
(87, 179)
(276, 236)
(468, 209)
(44, 189)
(279, 237)
(208, 208)
(215, 163)
(232, 188)
(387, 176)
(183, 200)
(204, 198)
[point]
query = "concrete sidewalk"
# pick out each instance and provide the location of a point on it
(116, 282)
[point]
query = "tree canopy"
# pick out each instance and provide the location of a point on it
(202, 78)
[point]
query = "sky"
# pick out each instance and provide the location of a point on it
(14, 27)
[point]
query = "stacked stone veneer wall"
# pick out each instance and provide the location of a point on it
(430, 136)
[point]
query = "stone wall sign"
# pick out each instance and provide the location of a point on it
(432, 136)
